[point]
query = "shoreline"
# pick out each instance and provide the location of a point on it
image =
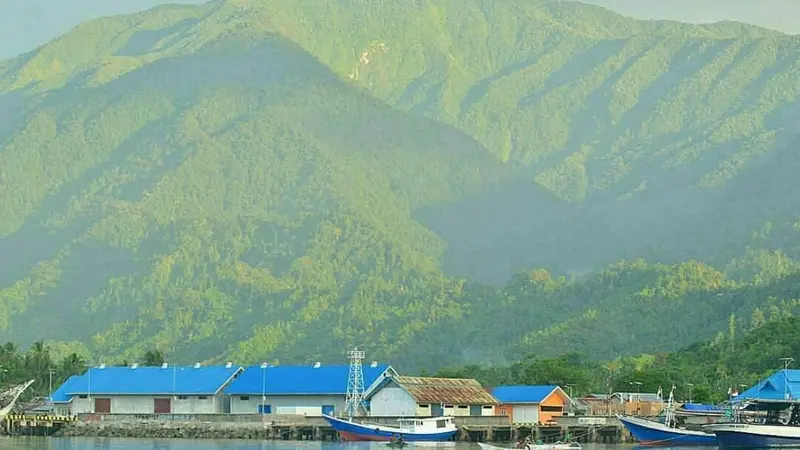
(193, 430)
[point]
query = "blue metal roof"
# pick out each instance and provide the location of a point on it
(60, 394)
(299, 380)
(522, 394)
(173, 380)
(775, 387)
(699, 407)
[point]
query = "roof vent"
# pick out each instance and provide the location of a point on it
(102, 366)
(134, 365)
(317, 364)
(164, 366)
(196, 365)
(228, 365)
(374, 364)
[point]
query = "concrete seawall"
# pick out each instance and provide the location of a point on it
(268, 427)
(193, 430)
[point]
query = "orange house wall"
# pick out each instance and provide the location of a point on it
(506, 411)
(554, 399)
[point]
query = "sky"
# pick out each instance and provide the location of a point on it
(27, 24)
(782, 15)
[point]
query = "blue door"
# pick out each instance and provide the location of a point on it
(265, 409)
(437, 410)
(327, 409)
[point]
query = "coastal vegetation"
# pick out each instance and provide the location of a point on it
(448, 181)
(729, 361)
(37, 363)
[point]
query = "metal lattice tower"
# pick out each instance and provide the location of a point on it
(355, 384)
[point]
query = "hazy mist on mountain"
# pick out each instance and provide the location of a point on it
(279, 180)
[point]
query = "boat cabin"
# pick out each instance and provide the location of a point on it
(427, 425)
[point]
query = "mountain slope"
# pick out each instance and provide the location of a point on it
(641, 129)
(642, 126)
(241, 191)
(263, 179)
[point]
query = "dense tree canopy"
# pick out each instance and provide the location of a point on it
(278, 180)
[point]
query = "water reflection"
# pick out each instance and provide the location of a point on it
(15, 443)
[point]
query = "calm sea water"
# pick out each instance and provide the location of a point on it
(13, 443)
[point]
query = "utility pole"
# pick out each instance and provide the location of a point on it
(690, 385)
(786, 363)
(569, 386)
(263, 388)
(50, 385)
(638, 385)
(89, 384)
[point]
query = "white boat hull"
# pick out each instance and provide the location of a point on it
(572, 446)
(355, 431)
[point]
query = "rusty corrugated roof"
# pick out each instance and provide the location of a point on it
(456, 391)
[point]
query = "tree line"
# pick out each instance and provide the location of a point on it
(37, 363)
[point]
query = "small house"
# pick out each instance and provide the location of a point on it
(146, 390)
(429, 397)
(305, 390)
(531, 404)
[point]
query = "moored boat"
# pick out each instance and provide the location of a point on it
(748, 435)
(774, 419)
(435, 429)
(649, 432)
(9, 398)
(555, 446)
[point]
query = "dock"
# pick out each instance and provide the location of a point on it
(298, 427)
(35, 424)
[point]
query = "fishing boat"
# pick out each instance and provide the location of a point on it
(9, 398)
(649, 432)
(776, 404)
(433, 429)
(555, 446)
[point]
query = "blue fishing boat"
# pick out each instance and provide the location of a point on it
(649, 432)
(768, 415)
(434, 429)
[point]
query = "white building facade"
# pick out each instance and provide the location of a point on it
(430, 397)
(146, 390)
(310, 391)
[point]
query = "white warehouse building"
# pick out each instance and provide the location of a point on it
(305, 390)
(146, 390)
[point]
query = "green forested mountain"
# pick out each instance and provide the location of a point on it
(268, 179)
(726, 362)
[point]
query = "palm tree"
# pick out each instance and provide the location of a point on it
(72, 365)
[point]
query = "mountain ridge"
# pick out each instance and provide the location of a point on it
(276, 182)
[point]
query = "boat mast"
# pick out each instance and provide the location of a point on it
(786, 363)
(669, 418)
(354, 400)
